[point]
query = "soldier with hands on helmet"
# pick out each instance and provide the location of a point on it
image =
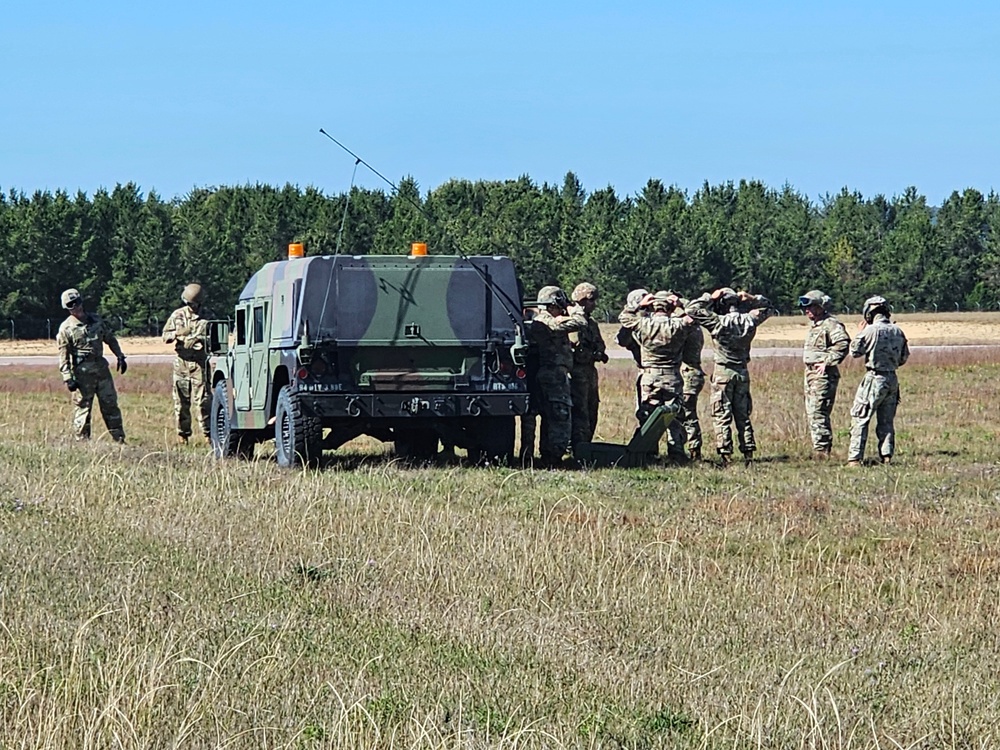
(588, 350)
(81, 339)
(825, 348)
(883, 345)
(187, 330)
(550, 327)
(662, 336)
(731, 319)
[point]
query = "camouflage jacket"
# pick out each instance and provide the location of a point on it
(826, 343)
(188, 331)
(550, 335)
(82, 341)
(588, 345)
(660, 335)
(882, 344)
(733, 332)
(691, 354)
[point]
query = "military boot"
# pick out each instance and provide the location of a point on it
(747, 458)
(695, 454)
(182, 440)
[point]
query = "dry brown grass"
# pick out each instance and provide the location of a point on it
(152, 597)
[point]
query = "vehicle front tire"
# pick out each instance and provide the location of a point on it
(226, 441)
(298, 437)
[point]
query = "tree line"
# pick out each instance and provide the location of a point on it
(130, 254)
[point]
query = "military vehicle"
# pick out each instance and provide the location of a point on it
(413, 349)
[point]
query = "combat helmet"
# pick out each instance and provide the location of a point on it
(552, 295)
(727, 300)
(70, 298)
(634, 298)
(663, 301)
(585, 290)
(815, 297)
(875, 305)
(192, 294)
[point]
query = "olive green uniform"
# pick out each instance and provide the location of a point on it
(188, 331)
(81, 359)
(662, 338)
(884, 348)
(732, 334)
(588, 349)
(825, 348)
(550, 335)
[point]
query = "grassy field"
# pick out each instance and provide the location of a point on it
(152, 597)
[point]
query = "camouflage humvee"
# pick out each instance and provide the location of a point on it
(411, 349)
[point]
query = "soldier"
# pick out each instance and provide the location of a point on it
(84, 369)
(550, 329)
(626, 340)
(588, 349)
(693, 378)
(732, 330)
(187, 330)
(661, 336)
(883, 345)
(825, 348)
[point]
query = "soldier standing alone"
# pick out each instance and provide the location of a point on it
(883, 345)
(588, 349)
(825, 348)
(84, 369)
(187, 330)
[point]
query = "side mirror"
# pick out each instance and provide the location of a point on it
(218, 337)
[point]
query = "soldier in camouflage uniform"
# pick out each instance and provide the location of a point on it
(883, 345)
(588, 349)
(84, 369)
(694, 381)
(825, 348)
(187, 330)
(731, 319)
(550, 329)
(662, 337)
(626, 339)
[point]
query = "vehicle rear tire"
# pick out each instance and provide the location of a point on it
(298, 437)
(492, 441)
(226, 441)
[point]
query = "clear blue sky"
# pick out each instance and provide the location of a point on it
(874, 96)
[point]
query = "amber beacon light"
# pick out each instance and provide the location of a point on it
(296, 250)
(417, 249)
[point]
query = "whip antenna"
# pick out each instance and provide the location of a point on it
(505, 301)
(347, 202)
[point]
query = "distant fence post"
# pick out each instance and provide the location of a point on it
(11, 329)
(48, 328)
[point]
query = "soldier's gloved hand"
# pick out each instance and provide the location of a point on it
(72, 385)
(122, 365)
(602, 357)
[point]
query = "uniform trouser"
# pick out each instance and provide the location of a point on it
(191, 391)
(555, 408)
(694, 381)
(662, 386)
(731, 402)
(585, 395)
(95, 380)
(877, 396)
(821, 393)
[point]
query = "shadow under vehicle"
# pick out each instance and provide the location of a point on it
(413, 349)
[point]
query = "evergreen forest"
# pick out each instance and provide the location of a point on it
(131, 253)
